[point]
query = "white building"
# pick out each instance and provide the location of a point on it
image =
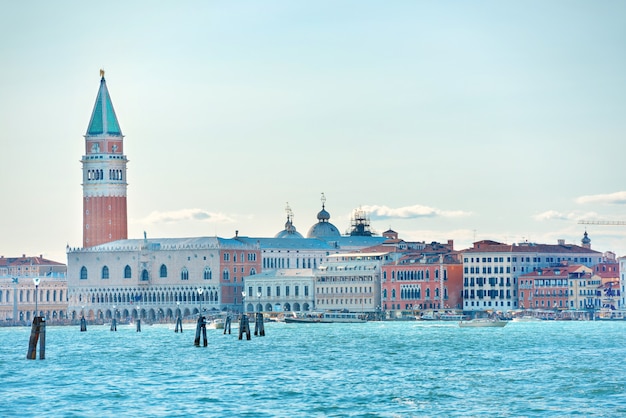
(281, 290)
(491, 269)
(158, 278)
(350, 282)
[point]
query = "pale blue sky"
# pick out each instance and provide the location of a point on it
(445, 119)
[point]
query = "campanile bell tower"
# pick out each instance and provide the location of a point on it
(104, 175)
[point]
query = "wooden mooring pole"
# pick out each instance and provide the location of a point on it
(138, 325)
(227, 324)
(244, 326)
(114, 325)
(37, 333)
(201, 328)
(259, 326)
(179, 325)
(83, 324)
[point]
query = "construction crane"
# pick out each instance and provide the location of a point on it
(602, 222)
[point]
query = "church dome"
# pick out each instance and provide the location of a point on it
(323, 228)
(290, 230)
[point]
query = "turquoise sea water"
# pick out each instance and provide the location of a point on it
(377, 369)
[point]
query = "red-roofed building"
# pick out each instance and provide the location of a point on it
(491, 269)
(18, 290)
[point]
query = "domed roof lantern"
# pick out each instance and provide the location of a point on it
(586, 241)
(290, 229)
(323, 215)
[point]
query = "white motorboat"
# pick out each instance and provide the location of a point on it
(482, 322)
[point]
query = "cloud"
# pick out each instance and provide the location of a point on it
(183, 215)
(415, 211)
(618, 198)
(550, 215)
(553, 214)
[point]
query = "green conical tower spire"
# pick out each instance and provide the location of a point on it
(103, 120)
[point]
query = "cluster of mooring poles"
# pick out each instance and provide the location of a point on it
(38, 330)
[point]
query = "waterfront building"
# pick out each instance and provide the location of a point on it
(280, 290)
(159, 278)
(104, 174)
(491, 269)
(418, 274)
(21, 300)
(608, 274)
(288, 262)
(622, 282)
(552, 288)
(351, 282)
(584, 291)
(422, 281)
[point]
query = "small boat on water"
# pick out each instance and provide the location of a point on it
(217, 323)
(482, 322)
(526, 318)
(445, 316)
(326, 318)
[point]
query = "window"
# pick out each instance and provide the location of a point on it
(296, 290)
(163, 271)
(207, 274)
(225, 275)
(184, 274)
(105, 272)
(226, 257)
(83, 273)
(144, 275)
(277, 290)
(128, 272)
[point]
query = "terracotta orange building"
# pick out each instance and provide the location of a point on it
(418, 280)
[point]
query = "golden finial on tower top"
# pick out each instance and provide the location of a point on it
(101, 73)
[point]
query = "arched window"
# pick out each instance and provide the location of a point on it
(427, 274)
(393, 294)
(127, 272)
(163, 271)
(105, 272)
(83, 273)
(385, 294)
(144, 275)
(225, 275)
(184, 274)
(252, 271)
(207, 273)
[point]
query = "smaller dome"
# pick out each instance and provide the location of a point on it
(586, 239)
(323, 215)
(290, 230)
